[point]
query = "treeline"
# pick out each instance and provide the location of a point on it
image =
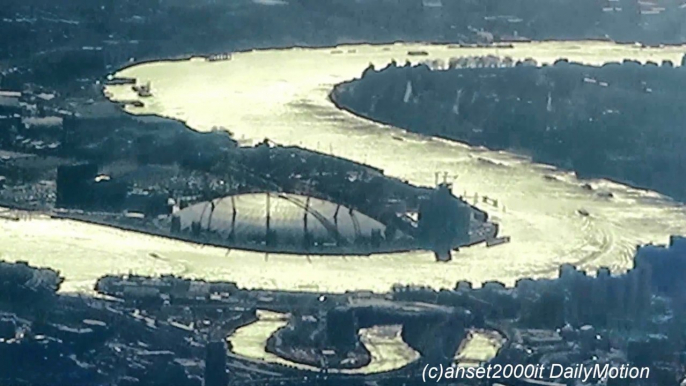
(620, 121)
(171, 27)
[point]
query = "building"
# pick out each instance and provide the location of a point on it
(282, 222)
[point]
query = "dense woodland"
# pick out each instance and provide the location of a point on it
(620, 121)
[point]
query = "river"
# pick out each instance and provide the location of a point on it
(282, 95)
(384, 343)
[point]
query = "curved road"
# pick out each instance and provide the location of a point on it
(282, 95)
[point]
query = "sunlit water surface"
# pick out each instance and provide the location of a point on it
(384, 343)
(282, 95)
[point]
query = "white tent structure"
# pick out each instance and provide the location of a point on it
(293, 221)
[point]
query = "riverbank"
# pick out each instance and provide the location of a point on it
(154, 228)
(142, 160)
(302, 103)
(142, 29)
(170, 322)
(598, 121)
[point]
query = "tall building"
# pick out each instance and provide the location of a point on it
(215, 364)
(443, 222)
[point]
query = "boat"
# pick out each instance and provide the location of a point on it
(417, 53)
(583, 212)
(219, 57)
(497, 241)
(142, 90)
(10, 217)
(116, 81)
(134, 103)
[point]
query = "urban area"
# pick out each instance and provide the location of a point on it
(73, 149)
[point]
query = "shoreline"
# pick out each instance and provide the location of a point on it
(581, 178)
(100, 219)
(155, 232)
(331, 98)
(159, 233)
(494, 44)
